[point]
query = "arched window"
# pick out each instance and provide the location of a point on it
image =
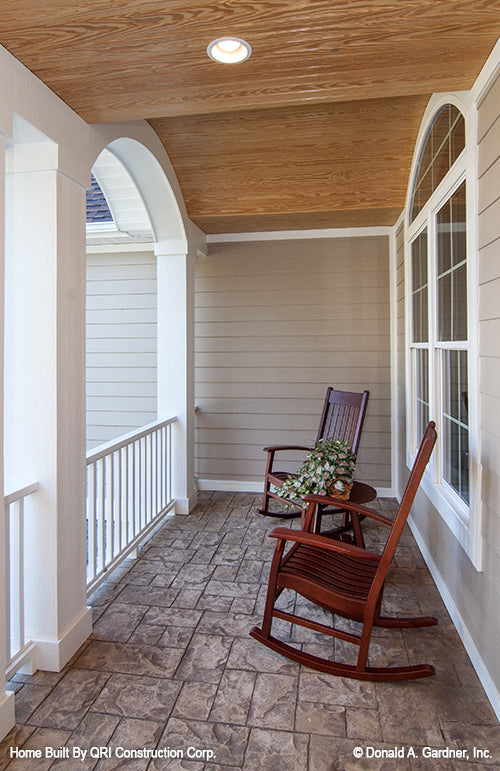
(444, 142)
(439, 312)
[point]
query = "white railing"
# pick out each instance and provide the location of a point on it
(18, 648)
(129, 491)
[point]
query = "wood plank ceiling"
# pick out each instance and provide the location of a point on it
(316, 129)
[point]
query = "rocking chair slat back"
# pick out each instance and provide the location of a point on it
(343, 416)
(417, 472)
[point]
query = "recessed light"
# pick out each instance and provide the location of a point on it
(229, 50)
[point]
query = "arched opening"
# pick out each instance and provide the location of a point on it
(121, 306)
(138, 355)
(157, 188)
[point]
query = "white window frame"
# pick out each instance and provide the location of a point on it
(463, 520)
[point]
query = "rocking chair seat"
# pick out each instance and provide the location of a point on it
(278, 477)
(313, 573)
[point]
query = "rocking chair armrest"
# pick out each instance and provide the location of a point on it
(327, 500)
(277, 447)
(323, 542)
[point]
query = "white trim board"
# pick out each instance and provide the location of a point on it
(295, 235)
(488, 73)
(393, 302)
(53, 655)
(117, 248)
(184, 506)
(482, 672)
(230, 486)
(246, 486)
(7, 713)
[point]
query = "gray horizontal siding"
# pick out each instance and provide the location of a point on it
(276, 323)
(489, 321)
(121, 344)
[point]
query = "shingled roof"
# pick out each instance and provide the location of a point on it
(97, 206)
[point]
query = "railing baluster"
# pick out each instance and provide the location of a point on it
(140, 444)
(8, 569)
(119, 500)
(111, 506)
(20, 586)
(150, 475)
(155, 472)
(95, 526)
(134, 494)
(124, 494)
(161, 466)
(144, 480)
(102, 516)
(168, 480)
(166, 471)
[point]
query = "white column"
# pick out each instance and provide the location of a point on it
(45, 391)
(7, 717)
(175, 287)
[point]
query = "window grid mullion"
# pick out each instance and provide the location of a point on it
(435, 466)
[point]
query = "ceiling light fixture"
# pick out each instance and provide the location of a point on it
(229, 50)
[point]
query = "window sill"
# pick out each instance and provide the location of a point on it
(454, 513)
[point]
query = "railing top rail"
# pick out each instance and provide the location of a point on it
(17, 495)
(116, 444)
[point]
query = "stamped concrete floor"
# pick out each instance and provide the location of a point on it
(170, 665)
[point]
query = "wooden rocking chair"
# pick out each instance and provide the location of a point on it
(346, 580)
(342, 418)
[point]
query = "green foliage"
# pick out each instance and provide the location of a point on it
(328, 469)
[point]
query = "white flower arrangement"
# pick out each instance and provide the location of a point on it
(328, 470)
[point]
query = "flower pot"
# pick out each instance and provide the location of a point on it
(341, 495)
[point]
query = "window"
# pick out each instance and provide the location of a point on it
(451, 277)
(444, 143)
(420, 318)
(439, 316)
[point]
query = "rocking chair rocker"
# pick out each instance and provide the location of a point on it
(346, 580)
(342, 418)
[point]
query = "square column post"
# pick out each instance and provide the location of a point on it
(175, 288)
(45, 391)
(7, 716)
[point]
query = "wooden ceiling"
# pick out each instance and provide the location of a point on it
(316, 129)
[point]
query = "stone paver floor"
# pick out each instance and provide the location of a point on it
(170, 665)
